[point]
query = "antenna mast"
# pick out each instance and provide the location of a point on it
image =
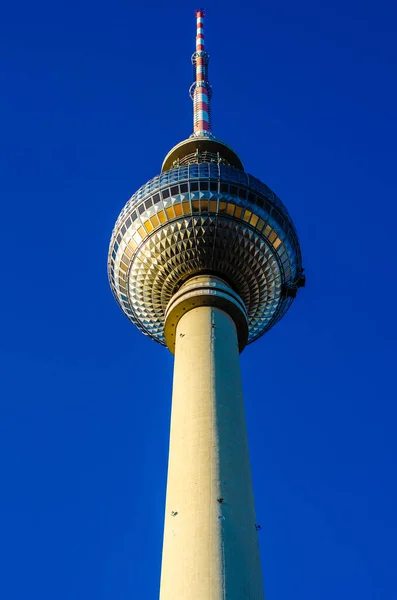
(200, 90)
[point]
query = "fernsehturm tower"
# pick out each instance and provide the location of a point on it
(205, 259)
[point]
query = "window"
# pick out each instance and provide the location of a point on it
(162, 216)
(178, 209)
(148, 226)
(254, 219)
(155, 221)
(195, 206)
(186, 208)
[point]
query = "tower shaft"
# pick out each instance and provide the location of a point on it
(210, 549)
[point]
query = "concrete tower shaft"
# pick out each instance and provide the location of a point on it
(210, 549)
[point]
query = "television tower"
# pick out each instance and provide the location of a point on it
(205, 259)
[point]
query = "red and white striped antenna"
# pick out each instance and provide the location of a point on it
(200, 90)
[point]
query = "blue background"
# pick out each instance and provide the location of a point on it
(94, 94)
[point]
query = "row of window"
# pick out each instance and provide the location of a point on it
(207, 205)
(202, 171)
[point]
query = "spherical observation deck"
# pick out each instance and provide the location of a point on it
(204, 217)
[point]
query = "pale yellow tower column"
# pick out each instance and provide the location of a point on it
(210, 549)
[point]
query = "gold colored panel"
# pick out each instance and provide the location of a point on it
(178, 209)
(230, 208)
(142, 232)
(213, 205)
(239, 211)
(162, 216)
(124, 267)
(170, 212)
(155, 221)
(254, 219)
(204, 205)
(277, 242)
(195, 206)
(148, 226)
(261, 224)
(186, 208)
(222, 207)
(128, 252)
(132, 244)
(267, 230)
(247, 215)
(272, 236)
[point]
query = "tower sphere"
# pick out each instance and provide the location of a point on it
(204, 216)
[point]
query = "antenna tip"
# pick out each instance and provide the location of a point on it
(200, 12)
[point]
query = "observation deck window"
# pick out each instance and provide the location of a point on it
(178, 210)
(203, 170)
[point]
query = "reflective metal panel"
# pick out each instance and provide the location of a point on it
(203, 218)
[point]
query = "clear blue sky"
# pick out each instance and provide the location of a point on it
(93, 96)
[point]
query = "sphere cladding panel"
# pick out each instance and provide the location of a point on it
(203, 218)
